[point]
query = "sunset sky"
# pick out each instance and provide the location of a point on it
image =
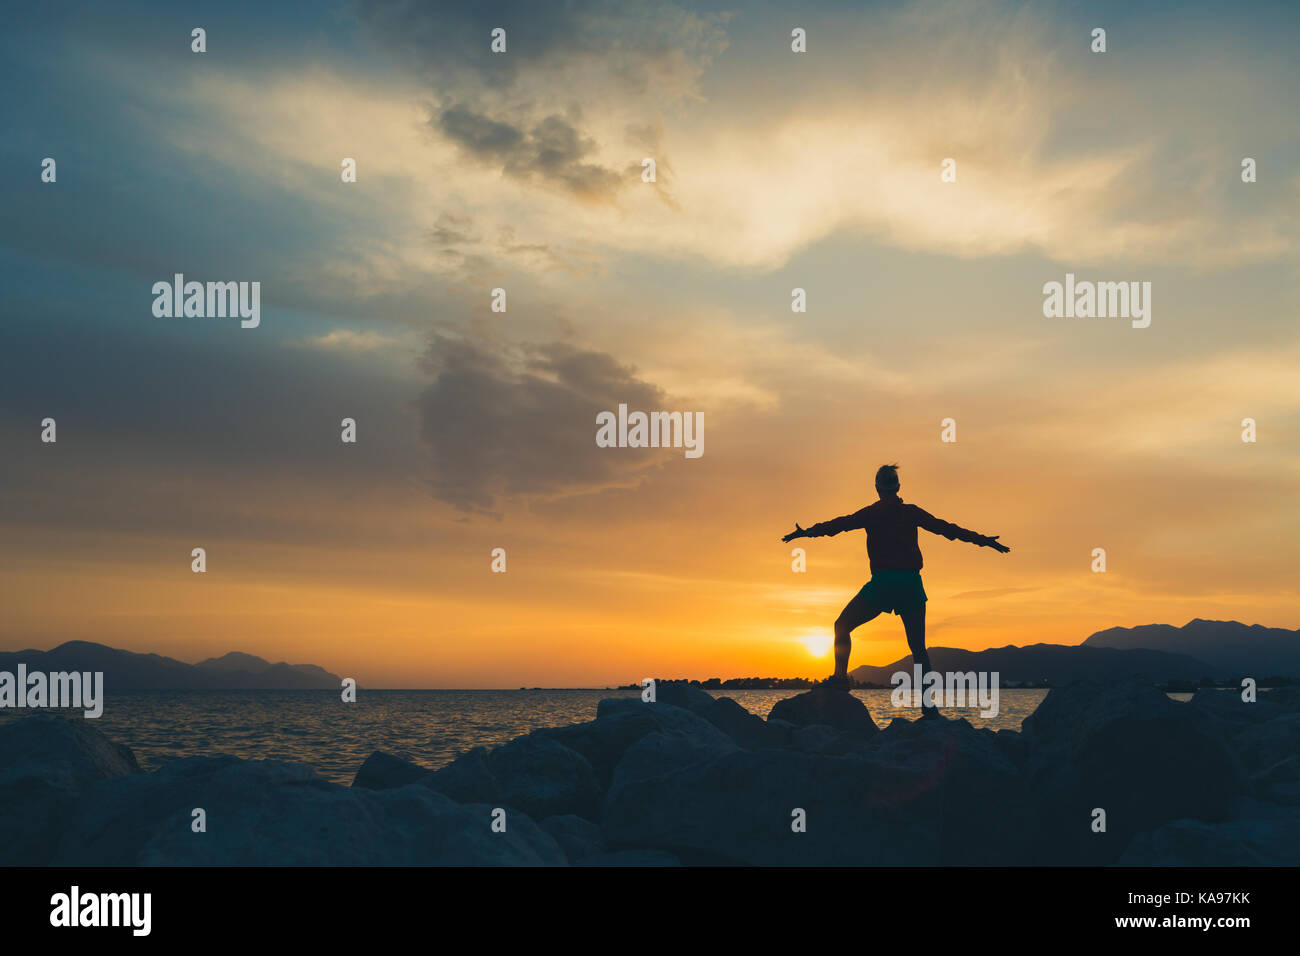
(476, 430)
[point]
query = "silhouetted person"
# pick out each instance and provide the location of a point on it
(895, 557)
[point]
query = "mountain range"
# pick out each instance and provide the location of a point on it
(126, 670)
(1161, 652)
(1232, 648)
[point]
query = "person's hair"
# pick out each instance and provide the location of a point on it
(887, 478)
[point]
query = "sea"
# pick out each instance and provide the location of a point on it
(429, 727)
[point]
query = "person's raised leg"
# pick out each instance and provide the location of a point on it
(857, 612)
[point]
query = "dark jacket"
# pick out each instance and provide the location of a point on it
(891, 526)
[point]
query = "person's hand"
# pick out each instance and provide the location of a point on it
(997, 545)
(798, 532)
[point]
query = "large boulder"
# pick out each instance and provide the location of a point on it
(604, 741)
(46, 762)
(534, 773)
(748, 730)
(622, 721)
(924, 793)
(544, 778)
(466, 779)
(385, 771)
(833, 708)
(983, 798)
(1125, 748)
(667, 718)
(741, 808)
(266, 813)
(115, 819)
(661, 753)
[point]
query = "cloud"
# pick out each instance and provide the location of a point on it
(452, 230)
(775, 160)
(518, 111)
(520, 421)
(551, 151)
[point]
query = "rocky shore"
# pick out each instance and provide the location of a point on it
(690, 779)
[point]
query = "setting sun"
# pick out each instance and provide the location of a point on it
(819, 645)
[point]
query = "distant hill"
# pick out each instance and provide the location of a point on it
(1054, 663)
(126, 670)
(1235, 649)
(237, 662)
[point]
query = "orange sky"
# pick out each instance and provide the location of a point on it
(476, 428)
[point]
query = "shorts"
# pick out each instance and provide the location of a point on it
(896, 591)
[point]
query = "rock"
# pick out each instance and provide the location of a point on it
(383, 771)
(666, 717)
(1280, 783)
(46, 763)
(1013, 745)
(820, 739)
(690, 779)
(1228, 707)
(1264, 744)
(738, 809)
(1262, 837)
(922, 793)
(115, 820)
(561, 770)
(466, 779)
(544, 778)
(604, 741)
(1287, 698)
(833, 708)
(632, 858)
(266, 813)
(1128, 749)
(660, 753)
(578, 838)
(983, 796)
(534, 773)
(747, 730)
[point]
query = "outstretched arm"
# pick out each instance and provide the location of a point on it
(824, 529)
(957, 533)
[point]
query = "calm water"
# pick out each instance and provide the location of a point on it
(429, 726)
